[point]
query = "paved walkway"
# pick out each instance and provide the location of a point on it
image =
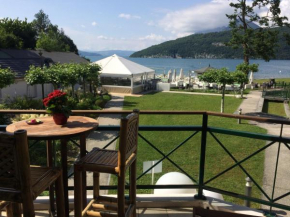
(253, 104)
(102, 138)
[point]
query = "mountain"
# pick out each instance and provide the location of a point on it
(227, 28)
(87, 53)
(206, 46)
(123, 53)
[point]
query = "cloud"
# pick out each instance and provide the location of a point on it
(151, 23)
(285, 8)
(83, 26)
(94, 23)
(129, 16)
(102, 37)
(153, 37)
(198, 18)
(92, 42)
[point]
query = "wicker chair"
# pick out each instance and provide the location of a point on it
(20, 183)
(113, 162)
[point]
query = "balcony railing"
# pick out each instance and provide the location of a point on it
(202, 131)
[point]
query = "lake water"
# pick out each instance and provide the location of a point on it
(272, 69)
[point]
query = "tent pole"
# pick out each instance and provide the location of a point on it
(132, 84)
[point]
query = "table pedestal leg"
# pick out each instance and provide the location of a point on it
(49, 161)
(84, 175)
(64, 174)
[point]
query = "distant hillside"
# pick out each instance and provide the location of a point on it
(209, 45)
(87, 53)
(123, 53)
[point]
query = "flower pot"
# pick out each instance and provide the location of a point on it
(59, 118)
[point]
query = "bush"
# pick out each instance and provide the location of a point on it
(4, 119)
(100, 103)
(23, 102)
(107, 97)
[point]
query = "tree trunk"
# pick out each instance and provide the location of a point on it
(72, 91)
(242, 90)
(84, 86)
(91, 89)
(42, 89)
(223, 99)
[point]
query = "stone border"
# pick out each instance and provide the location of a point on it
(287, 109)
(260, 105)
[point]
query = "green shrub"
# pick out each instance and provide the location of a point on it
(107, 97)
(4, 118)
(100, 103)
(23, 102)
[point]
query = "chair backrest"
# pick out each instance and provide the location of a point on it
(128, 137)
(14, 165)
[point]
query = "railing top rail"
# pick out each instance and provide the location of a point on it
(155, 112)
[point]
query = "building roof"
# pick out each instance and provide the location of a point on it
(20, 60)
(116, 66)
(61, 57)
(203, 70)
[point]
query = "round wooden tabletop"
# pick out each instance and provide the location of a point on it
(75, 125)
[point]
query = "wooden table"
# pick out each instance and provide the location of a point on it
(77, 126)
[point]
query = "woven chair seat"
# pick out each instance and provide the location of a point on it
(3, 204)
(42, 177)
(101, 160)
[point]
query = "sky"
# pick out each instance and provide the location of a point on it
(96, 25)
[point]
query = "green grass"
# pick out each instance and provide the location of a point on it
(275, 108)
(246, 91)
(260, 81)
(187, 156)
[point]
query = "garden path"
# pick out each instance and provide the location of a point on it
(251, 105)
(101, 138)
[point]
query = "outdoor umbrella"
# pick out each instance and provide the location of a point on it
(181, 75)
(251, 78)
(169, 75)
(174, 76)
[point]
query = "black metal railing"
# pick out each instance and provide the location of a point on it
(206, 130)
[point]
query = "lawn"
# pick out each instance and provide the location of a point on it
(275, 108)
(260, 81)
(246, 91)
(187, 156)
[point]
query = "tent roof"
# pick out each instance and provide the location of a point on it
(203, 70)
(116, 66)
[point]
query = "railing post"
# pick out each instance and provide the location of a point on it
(200, 196)
(248, 191)
(240, 112)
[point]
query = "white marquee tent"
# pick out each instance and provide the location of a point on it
(123, 75)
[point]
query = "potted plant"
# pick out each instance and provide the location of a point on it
(56, 104)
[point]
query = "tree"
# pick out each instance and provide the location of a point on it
(93, 77)
(260, 42)
(9, 40)
(221, 76)
(241, 78)
(54, 75)
(245, 68)
(70, 75)
(41, 22)
(36, 75)
(7, 77)
(51, 41)
(22, 32)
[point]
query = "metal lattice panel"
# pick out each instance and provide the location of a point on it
(7, 164)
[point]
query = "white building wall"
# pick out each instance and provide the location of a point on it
(21, 88)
